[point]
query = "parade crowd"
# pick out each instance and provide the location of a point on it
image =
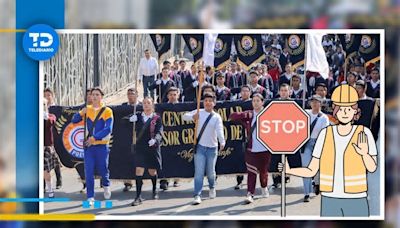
(176, 81)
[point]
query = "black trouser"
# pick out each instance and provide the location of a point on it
(147, 81)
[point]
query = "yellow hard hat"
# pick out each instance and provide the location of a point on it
(344, 95)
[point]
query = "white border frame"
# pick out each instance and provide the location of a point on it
(381, 156)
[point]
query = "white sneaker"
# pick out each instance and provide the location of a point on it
(264, 192)
(50, 194)
(91, 201)
(212, 193)
(249, 198)
(197, 200)
(107, 192)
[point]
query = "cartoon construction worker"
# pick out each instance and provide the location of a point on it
(343, 154)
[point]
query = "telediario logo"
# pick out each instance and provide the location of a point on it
(40, 42)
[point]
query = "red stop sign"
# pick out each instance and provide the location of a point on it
(283, 127)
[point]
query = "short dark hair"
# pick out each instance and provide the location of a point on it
(132, 90)
(253, 72)
(166, 62)
(283, 85)
(97, 89)
(375, 69)
(181, 61)
(146, 50)
(321, 85)
(164, 68)
(208, 86)
(258, 95)
(48, 90)
(209, 95)
(245, 86)
(208, 68)
(172, 89)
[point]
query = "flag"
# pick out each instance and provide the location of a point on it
(296, 47)
(162, 43)
(370, 48)
(222, 50)
(208, 50)
(195, 43)
(316, 58)
(350, 43)
(249, 50)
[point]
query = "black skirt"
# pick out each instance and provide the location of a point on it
(148, 157)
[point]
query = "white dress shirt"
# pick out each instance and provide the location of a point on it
(214, 131)
(322, 122)
(147, 67)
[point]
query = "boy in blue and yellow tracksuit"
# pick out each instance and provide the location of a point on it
(96, 154)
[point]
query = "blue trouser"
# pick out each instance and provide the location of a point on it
(96, 159)
(205, 160)
(306, 157)
(339, 207)
(147, 82)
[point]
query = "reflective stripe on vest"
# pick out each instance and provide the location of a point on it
(355, 174)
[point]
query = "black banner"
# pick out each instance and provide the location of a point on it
(350, 43)
(296, 46)
(370, 48)
(176, 148)
(249, 50)
(222, 50)
(162, 43)
(195, 43)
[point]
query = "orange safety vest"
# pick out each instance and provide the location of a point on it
(355, 173)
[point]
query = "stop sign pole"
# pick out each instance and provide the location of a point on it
(286, 120)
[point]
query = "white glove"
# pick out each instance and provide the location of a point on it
(152, 142)
(158, 82)
(133, 118)
(195, 83)
(45, 115)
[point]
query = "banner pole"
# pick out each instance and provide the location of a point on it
(283, 196)
(85, 92)
(305, 71)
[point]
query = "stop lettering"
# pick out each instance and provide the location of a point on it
(283, 127)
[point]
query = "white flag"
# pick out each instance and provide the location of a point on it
(316, 58)
(208, 50)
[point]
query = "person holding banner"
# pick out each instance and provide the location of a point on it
(209, 133)
(344, 154)
(256, 156)
(148, 151)
(99, 122)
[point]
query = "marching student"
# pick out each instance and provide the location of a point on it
(318, 121)
(162, 85)
(50, 155)
(297, 92)
(49, 95)
(373, 86)
(222, 92)
(244, 96)
(132, 96)
(173, 94)
(99, 122)
(209, 133)
(189, 82)
(256, 156)
(148, 152)
(255, 87)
